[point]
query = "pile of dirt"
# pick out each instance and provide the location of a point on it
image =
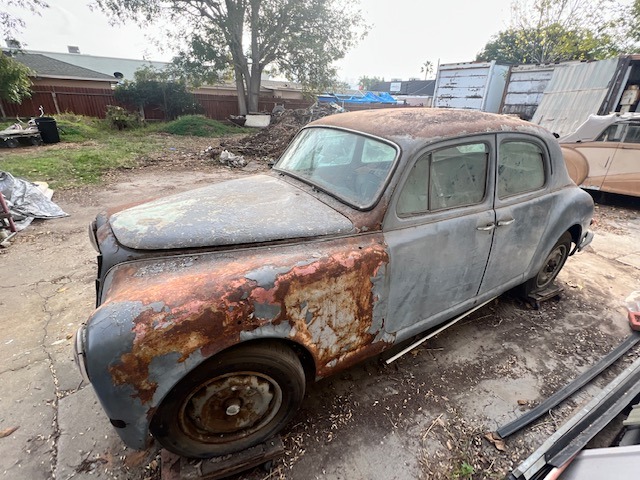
(269, 143)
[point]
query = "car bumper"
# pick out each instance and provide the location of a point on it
(586, 240)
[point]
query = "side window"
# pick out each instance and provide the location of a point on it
(520, 168)
(613, 133)
(451, 177)
(414, 197)
(458, 176)
(633, 134)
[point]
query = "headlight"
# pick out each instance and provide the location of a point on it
(79, 353)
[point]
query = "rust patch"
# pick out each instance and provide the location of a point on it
(324, 291)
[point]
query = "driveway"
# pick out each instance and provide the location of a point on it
(423, 416)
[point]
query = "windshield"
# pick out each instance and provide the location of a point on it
(349, 166)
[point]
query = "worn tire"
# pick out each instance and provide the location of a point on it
(234, 401)
(552, 265)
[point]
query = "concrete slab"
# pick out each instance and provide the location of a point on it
(27, 401)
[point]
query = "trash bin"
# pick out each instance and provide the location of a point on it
(48, 129)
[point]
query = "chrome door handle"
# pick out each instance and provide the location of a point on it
(504, 223)
(487, 228)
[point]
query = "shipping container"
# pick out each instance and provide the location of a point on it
(474, 86)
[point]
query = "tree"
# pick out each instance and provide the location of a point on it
(544, 31)
(15, 83)
(365, 83)
(11, 24)
(157, 88)
(426, 68)
(300, 39)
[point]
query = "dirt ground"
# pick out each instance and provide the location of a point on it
(424, 416)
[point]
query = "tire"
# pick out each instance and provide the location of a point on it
(247, 394)
(552, 265)
(12, 142)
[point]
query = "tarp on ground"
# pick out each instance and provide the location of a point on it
(27, 201)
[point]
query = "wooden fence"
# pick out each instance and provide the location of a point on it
(93, 102)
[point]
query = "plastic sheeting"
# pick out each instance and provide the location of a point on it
(368, 97)
(26, 201)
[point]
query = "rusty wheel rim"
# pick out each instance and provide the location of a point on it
(230, 407)
(552, 266)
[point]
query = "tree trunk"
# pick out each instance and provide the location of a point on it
(240, 90)
(254, 89)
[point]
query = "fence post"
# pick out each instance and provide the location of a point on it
(55, 102)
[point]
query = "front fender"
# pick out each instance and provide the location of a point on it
(160, 318)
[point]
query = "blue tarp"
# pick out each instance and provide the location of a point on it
(368, 97)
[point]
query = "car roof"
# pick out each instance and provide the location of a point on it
(402, 124)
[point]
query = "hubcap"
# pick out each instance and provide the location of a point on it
(230, 406)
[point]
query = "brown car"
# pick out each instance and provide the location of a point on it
(604, 154)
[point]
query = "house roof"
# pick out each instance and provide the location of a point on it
(407, 87)
(105, 65)
(46, 67)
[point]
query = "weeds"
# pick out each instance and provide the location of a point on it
(197, 126)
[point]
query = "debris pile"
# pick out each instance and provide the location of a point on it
(269, 143)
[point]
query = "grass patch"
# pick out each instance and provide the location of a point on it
(77, 165)
(197, 126)
(88, 148)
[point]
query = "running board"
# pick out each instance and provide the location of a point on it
(436, 332)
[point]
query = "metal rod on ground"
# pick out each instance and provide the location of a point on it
(436, 332)
(570, 388)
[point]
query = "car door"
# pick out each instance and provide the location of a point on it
(623, 174)
(522, 206)
(439, 230)
(599, 154)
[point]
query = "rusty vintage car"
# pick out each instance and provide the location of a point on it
(215, 307)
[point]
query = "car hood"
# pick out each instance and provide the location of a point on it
(254, 209)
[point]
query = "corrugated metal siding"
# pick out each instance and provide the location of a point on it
(574, 92)
(524, 91)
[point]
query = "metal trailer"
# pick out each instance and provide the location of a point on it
(13, 138)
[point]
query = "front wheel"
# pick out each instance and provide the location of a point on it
(232, 402)
(551, 267)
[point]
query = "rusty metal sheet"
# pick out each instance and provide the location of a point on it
(255, 209)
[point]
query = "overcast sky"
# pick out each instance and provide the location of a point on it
(403, 35)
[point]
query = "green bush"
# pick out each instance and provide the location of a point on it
(197, 126)
(122, 119)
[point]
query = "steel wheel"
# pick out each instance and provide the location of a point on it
(233, 406)
(551, 267)
(234, 401)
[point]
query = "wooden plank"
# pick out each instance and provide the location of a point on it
(216, 468)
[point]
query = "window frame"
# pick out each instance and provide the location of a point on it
(487, 140)
(546, 163)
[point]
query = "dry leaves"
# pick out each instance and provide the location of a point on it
(496, 441)
(7, 431)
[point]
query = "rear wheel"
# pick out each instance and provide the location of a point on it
(234, 401)
(552, 265)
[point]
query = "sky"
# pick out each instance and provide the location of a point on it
(403, 34)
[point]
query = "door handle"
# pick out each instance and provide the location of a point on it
(504, 223)
(487, 228)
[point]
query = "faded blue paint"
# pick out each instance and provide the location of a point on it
(260, 208)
